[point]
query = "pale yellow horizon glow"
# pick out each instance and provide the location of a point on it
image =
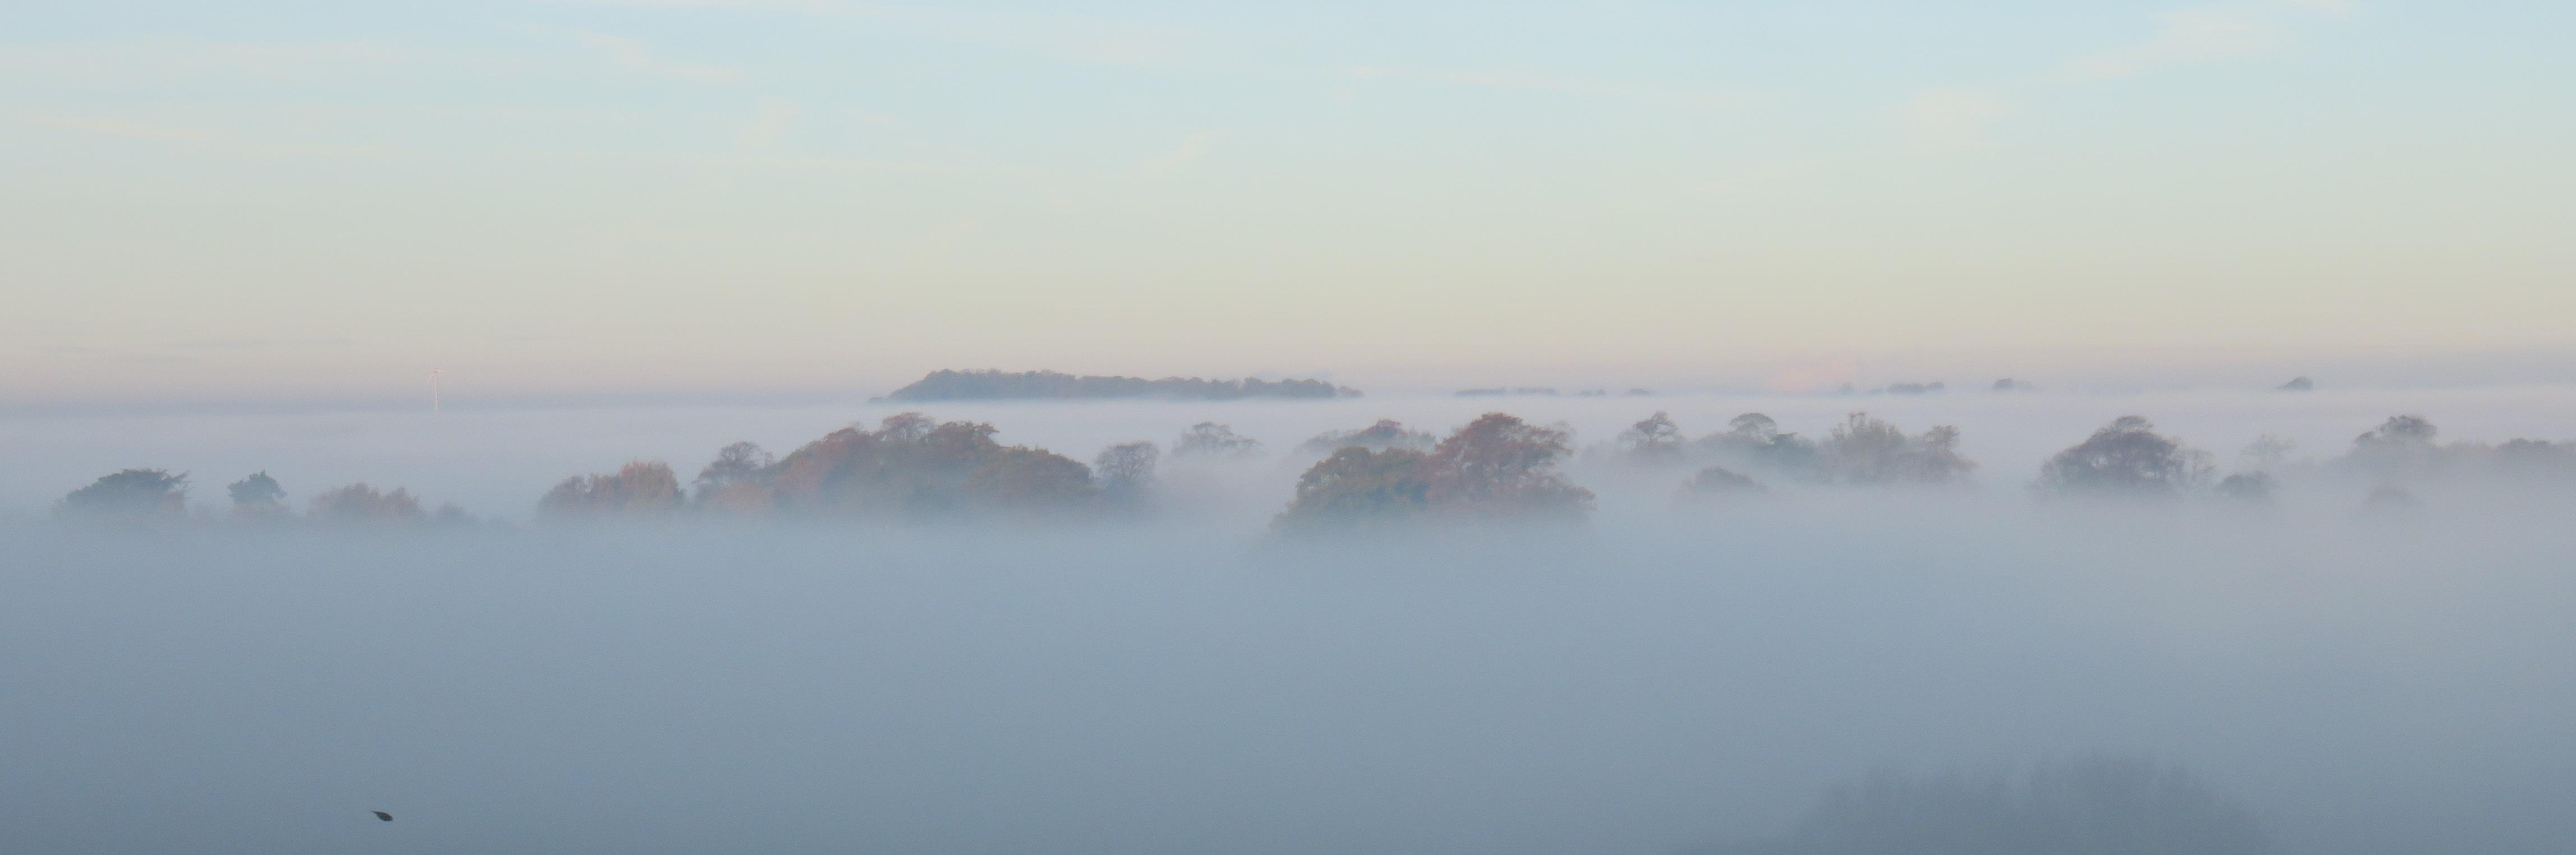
(614, 203)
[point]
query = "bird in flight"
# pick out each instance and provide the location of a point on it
(384, 816)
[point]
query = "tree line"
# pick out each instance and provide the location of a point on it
(1497, 468)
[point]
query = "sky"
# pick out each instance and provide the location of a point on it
(557, 200)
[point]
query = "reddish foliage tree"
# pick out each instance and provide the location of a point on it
(1496, 468)
(638, 488)
(1499, 465)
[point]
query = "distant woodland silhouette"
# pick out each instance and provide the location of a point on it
(1000, 385)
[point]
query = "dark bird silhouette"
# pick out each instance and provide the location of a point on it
(384, 816)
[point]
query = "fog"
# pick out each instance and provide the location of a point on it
(1665, 678)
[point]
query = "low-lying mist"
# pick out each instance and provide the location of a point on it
(1813, 668)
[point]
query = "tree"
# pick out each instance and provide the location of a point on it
(1653, 441)
(1865, 450)
(1754, 441)
(739, 463)
(2400, 448)
(906, 427)
(1500, 466)
(737, 481)
(1126, 470)
(2249, 486)
(361, 504)
(1026, 479)
(638, 488)
(1497, 468)
(2536, 459)
(911, 466)
(1719, 483)
(2268, 453)
(2127, 458)
(1357, 489)
(129, 495)
(1386, 434)
(256, 495)
(449, 515)
(1214, 440)
(2400, 431)
(1936, 456)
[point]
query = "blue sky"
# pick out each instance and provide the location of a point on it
(270, 200)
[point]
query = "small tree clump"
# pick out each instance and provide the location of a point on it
(2247, 486)
(1209, 439)
(2400, 449)
(1385, 435)
(1020, 478)
(2128, 458)
(1754, 441)
(912, 466)
(1655, 441)
(257, 497)
(1718, 483)
(1126, 471)
(128, 496)
(640, 488)
(1866, 450)
(359, 504)
(1497, 468)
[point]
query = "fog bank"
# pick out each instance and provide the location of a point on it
(1643, 687)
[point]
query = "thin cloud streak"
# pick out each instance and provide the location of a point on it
(1067, 37)
(2203, 35)
(190, 136)
(634, 56)
(2185, 37)
(163, 60)
(1952, 118)
(1956, 117)
(129, 130)
(1552, 84)
(1190, 148)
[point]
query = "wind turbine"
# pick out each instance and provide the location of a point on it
(433, 388)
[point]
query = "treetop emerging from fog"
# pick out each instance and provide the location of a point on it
(1000, 385)
(1499, 467)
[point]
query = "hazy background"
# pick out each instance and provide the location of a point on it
(295, 201)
